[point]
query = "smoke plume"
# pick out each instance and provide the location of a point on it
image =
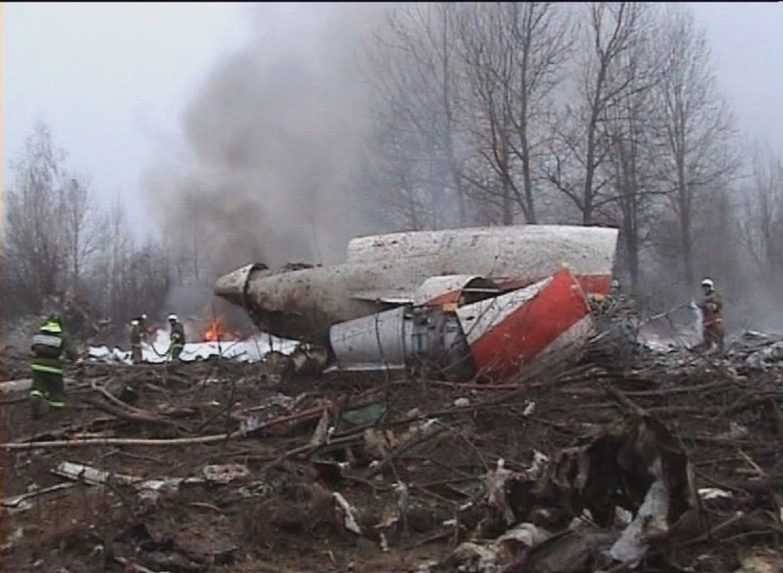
(275, 143)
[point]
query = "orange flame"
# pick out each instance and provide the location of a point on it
(215, 332)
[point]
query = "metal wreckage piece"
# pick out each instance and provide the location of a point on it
(456, 303)
(632, 478)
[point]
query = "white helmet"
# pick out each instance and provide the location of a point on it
(708, 283)
(134, 322)
(173, 317)
(144, 317)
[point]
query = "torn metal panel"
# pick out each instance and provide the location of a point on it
(403, 338)
(454, 290)
(347, 512)
(650, 521)
(495, 337)
(636, 464)
(508, 332)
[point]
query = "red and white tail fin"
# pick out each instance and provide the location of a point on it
(508, 332)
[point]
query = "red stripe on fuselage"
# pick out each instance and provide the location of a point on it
(528, 330)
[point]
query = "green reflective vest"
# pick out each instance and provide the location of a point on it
(48, 346)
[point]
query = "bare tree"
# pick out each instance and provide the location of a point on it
(395, 158)
(629, 125)
(83, 228)
(513, 56)
(581, 143)
(127, 279)
(696, 129)
(118, 250)
(34, 224)
(763, 223)
(416, 82)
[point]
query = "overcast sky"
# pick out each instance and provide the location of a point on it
(112, 79)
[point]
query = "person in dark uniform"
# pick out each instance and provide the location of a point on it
(135, 341)
(177, 337)
(713, 331)
(50, 343)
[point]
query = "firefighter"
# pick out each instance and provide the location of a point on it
(135, 341)
(49, 345)
(177, 337)
(711, 307)
(143, 327)
(605, 304)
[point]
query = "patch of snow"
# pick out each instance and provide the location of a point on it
(251, 349)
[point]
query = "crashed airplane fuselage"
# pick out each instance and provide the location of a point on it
(462, 301)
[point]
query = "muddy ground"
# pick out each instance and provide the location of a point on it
(277, 511)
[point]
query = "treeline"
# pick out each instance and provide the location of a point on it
(590, 113)
(60, 245)
(482, 114)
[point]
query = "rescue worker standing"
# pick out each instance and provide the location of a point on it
(607, 304)
(49, 345)
(135, 341)
(711, 307)
(177, 337)
(143, 328)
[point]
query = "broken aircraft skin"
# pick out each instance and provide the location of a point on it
(459, 303)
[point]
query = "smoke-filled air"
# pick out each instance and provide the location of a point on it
(275, 134)
(330, 121)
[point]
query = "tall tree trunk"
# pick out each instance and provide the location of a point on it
(508, 203)
(686, 244)
(632, 254)
(527, 179)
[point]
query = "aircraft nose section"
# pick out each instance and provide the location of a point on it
(233, 286)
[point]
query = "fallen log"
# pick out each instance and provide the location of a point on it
(19, 500)
(162, 442)
(24, 384)
(133, 415)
